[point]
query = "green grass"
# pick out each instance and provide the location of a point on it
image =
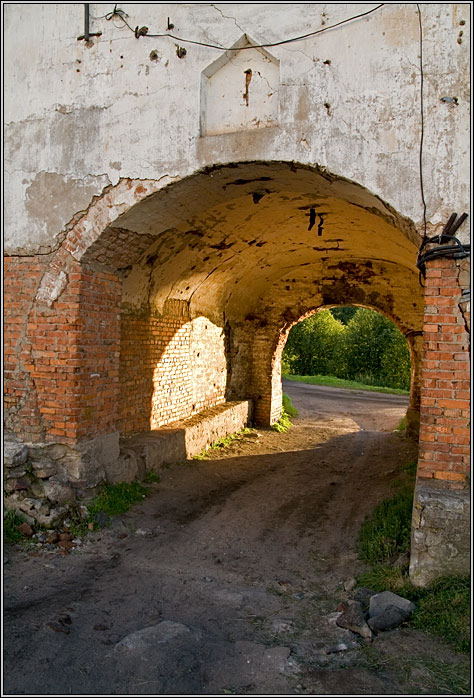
(222, 443)
(117, 499)
(386, 534)
(11, 521)
(342, 383)
(151, 477)
(113, 500)
(288, 411)
(288, 406)
(443, 607)
(422, 674)
(403, 424)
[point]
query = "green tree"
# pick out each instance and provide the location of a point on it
(345, 313)
(395, 364)
(369, 348)
(369, 337)
(311, 343)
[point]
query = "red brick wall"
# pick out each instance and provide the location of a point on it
(21, 280)
(61, 379)
(444, 431)
(170, 368)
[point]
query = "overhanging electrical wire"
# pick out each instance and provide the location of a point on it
(144, 32)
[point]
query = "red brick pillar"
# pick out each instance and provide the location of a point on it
(440, 537)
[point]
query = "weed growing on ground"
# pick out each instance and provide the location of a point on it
(11, 521)
(222, 443)
(113, 500)
(288, 411)
(283, 424)
(403, 424)
(117, 499)
(422, 673)
(151, 477)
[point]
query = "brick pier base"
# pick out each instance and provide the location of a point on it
(441, 513)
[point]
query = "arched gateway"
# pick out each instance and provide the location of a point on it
(169, 292)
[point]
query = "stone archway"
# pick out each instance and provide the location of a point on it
(166, 297)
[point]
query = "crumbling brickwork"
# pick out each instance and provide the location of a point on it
(21, 279)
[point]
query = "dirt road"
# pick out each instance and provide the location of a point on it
(227, 578)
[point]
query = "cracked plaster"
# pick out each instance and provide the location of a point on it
(81, 110)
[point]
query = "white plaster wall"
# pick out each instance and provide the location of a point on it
(79, 118)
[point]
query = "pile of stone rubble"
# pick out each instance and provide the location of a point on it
(370, 613)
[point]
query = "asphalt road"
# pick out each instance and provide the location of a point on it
(369, 410)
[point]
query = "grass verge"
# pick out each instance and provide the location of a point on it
(342, 383)
(443, 607)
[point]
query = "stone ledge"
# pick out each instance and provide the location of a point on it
(181, 440)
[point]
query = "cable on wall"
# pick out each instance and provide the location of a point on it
(143, 31)
(422, 114)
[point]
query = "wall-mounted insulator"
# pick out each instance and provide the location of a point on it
(142, 31)
(180, 51)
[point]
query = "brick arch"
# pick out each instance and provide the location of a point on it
(76, 325)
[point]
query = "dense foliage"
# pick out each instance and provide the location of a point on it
(351, 343)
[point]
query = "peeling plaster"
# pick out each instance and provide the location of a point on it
(51, 200)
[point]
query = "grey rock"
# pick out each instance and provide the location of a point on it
(118, 525)
(145, 532)
(352, 618)
(128, 467)
(101, 519)
(341, 647)
(379, 602)
(51, 518)
(391, 617)
(58, 491)
(44, 468)
(29, 506)
(9, 486)
(5, 558)
(363, 596)
(19, 471)
(14, 454)
(37, 489)
(349, 584)
(147, 637)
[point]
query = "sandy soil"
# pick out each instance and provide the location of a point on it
(227, 578)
